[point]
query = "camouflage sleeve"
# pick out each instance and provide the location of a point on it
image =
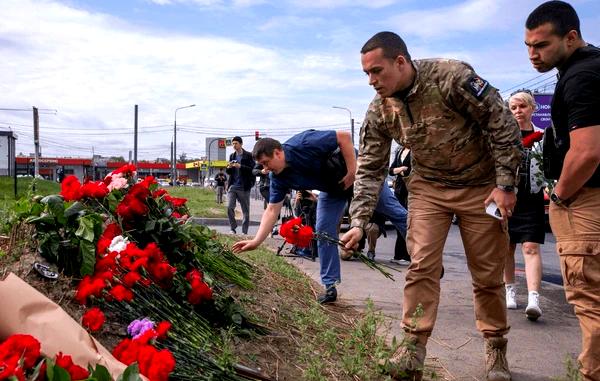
(475, 98)
(372, 164)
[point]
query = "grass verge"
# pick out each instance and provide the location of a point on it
(201, 202)
(307, 341)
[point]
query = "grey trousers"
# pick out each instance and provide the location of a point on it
(243, 197)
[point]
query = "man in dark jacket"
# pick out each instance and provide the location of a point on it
(241, 181)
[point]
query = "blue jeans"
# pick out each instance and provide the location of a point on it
(390, 207)
(329, 213)
(243, 197)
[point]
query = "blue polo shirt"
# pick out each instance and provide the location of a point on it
(304, 157)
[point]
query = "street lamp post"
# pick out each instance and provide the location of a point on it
(174, 161)
(351, 120)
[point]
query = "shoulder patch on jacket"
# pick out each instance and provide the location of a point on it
(477, 86)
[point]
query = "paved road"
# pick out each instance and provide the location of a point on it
(536, 350)
(550, 261)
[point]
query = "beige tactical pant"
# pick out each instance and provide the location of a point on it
(577, 231)
(430, 209)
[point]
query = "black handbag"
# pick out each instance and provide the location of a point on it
(554, 151)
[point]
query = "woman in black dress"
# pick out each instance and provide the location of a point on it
(526, 226)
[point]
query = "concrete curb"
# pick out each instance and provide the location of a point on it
(217, 221)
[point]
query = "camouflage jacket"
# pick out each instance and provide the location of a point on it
(458, 128)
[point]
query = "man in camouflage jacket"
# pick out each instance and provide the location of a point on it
(465, 149)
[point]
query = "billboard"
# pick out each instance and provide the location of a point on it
(541, 117)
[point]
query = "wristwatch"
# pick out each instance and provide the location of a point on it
(555, 199)
(506, 188)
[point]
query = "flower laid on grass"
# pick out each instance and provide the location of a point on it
(296, 233)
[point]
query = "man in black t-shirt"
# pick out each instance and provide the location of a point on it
(553, 39)
(220, 180)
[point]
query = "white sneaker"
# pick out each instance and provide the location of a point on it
(511, 296)
(533, 310)
(400, 262)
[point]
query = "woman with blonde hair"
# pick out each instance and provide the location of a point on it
(526, 226)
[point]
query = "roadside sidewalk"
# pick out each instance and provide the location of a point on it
(536, 351)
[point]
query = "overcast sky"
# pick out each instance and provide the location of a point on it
(276, 66)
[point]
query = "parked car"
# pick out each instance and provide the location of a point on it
(209, 182)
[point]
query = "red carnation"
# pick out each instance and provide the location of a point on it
(94, 189)
(8, 367)
(286, 228)
(158, 193)
(89, 287)
(131, 278)
(25, 346)
(163, 363)
(71, 188)
(532, 138)
(163, 273)
(93, 319)
(75, 371)
(176, 201)
(127, 170)
(199, 293)
(295, 233)
(120, 293)
(162, 329)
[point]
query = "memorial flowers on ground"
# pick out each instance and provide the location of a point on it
(139, 257)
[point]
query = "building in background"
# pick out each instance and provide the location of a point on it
(7, 153)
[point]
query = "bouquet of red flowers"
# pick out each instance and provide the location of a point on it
(295, 233)
(139, 255)
(21, 359)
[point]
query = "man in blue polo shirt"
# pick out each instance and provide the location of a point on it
(300, 163)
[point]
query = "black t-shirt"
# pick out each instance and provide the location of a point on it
(576, 101)
(220, 178)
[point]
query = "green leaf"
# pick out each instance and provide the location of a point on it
(56, 205)
(88, 257)
(132, 373)
(49, 368)
(86, 229)
(74, 209)
(113, 200)
(45, 219)
(101, 374)
(60, 374)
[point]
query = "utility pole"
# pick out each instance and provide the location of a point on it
(135, 137)
(36, 143)
(93, 164)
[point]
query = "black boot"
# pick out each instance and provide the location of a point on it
(329, 296)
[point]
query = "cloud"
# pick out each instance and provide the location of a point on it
(93, 68)
(331, 4)
(466, 17)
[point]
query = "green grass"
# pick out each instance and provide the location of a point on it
(42, 187)
(201, 202)
(24, 186)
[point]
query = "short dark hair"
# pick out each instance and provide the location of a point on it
(237, 139)
(391, 44)
(561, 15)
(265, 147)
